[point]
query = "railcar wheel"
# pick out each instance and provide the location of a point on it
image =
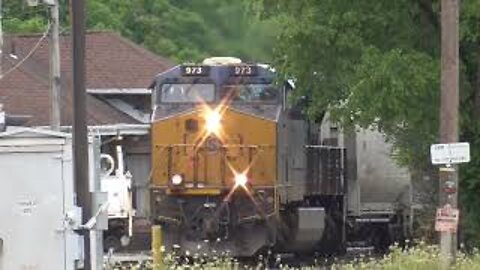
(125, 240)
(382, 238)
(332, 243)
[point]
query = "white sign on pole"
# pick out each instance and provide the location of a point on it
(447, 219)
(451, 153)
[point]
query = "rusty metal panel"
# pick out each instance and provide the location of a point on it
(326, 170)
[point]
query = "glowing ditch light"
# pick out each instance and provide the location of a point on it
(177, 179)
(212, 121)
(241, 179)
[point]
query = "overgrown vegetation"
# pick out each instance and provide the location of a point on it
(419, 257)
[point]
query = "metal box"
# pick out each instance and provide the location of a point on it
(37, 202)
(376, 183)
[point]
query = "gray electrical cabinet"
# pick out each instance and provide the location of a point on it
(37, 209)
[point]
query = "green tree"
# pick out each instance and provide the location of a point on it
(180, 29)
(376, 63)
(188, 30)
(18, 17)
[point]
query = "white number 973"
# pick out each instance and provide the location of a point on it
(243, 70)
(193, 70)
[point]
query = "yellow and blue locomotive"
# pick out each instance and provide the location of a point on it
(236, 168)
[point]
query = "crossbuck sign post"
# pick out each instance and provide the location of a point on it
(446, 221)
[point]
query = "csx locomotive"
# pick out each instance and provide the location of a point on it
(236, 168)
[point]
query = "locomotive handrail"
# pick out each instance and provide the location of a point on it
(247, 145)
(321, 146)
(173, 145)
(223, 146)
(224, 188)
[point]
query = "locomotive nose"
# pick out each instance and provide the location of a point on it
(212, 144)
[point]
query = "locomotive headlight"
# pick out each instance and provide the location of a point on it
(241, 179)
(177, 180)
(212, 121)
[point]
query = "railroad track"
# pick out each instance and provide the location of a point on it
(143, 258)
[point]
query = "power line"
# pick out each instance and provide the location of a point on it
(34, 48)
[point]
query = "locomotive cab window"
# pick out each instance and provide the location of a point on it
(252, 93)
(187, 93)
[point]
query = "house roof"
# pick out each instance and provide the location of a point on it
(111, 62)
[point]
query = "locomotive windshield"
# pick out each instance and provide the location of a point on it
(263, 93)
(187, 93)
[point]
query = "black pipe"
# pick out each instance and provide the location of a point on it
(17, 120)
(80, 140)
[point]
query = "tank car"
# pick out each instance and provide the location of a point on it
(236, 168)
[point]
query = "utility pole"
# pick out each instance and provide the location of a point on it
(55, 98)
(449, 116)
(80, 140)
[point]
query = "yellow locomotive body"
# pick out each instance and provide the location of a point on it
(206, 161)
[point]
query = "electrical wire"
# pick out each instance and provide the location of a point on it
(34, 48)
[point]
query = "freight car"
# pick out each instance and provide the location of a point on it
(237, 168)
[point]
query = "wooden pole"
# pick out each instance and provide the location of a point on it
(449, 111)
(80, 140)
(55, 99)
